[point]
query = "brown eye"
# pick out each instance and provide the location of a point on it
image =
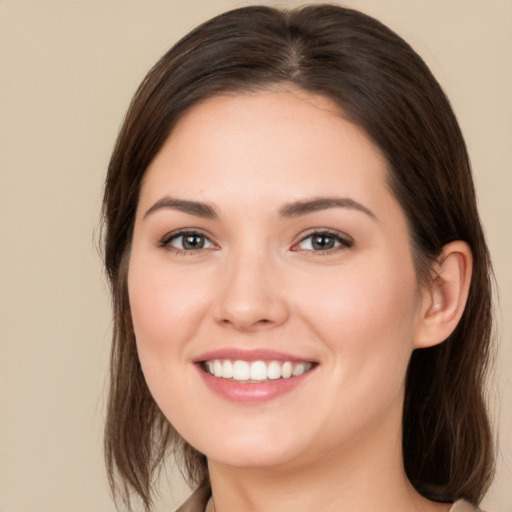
(322, 242)
(190, 241)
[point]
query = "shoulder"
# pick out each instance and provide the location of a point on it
(198, 499)
(464, 506)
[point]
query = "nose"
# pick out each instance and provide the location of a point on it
(252, 296)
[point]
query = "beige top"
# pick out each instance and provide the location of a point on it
(199, 500)
(464, 506)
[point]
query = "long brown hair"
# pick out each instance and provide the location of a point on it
(385, 88)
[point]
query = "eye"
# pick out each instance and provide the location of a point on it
(187, 241)
(323, 241)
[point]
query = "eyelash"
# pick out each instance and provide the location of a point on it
(343, 241)
(166, 241)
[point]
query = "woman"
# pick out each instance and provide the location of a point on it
(300, 280)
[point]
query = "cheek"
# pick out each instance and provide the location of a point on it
(366, 320)
(165, 305)
(364, 312)
(166, 308)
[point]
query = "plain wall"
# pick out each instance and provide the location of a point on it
(67, 72)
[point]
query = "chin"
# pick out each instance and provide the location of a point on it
(252, 457)
(252, 450)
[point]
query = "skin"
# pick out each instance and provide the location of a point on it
(334, 442)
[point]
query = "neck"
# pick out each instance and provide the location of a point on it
(368, 475)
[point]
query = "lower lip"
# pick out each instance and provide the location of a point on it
(251, 393)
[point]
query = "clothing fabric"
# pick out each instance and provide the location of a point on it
(464, 506)
(198, 501)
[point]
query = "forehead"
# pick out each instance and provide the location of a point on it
(280, 144)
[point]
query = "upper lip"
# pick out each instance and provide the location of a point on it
(234, 354)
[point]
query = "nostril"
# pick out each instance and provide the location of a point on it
(247, 324)
(248, 308)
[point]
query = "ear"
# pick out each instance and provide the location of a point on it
(444, 301)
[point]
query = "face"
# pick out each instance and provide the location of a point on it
(272, 288)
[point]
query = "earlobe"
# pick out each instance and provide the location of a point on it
(445, 300)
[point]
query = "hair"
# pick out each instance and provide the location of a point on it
(385, 88)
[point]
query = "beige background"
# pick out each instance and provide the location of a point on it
(67, 72)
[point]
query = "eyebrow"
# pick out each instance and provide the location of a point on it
(295, 209)
(299, 208)
(191, 207)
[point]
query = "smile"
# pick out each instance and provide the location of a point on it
(254, 371)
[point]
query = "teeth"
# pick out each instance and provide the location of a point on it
(299, 369)
(287, 370)
(256, 371)
(217, 368)
(227, 369)
(274, 370)
(241, 370)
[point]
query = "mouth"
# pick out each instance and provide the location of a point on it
(255, 371)
(253, 376)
